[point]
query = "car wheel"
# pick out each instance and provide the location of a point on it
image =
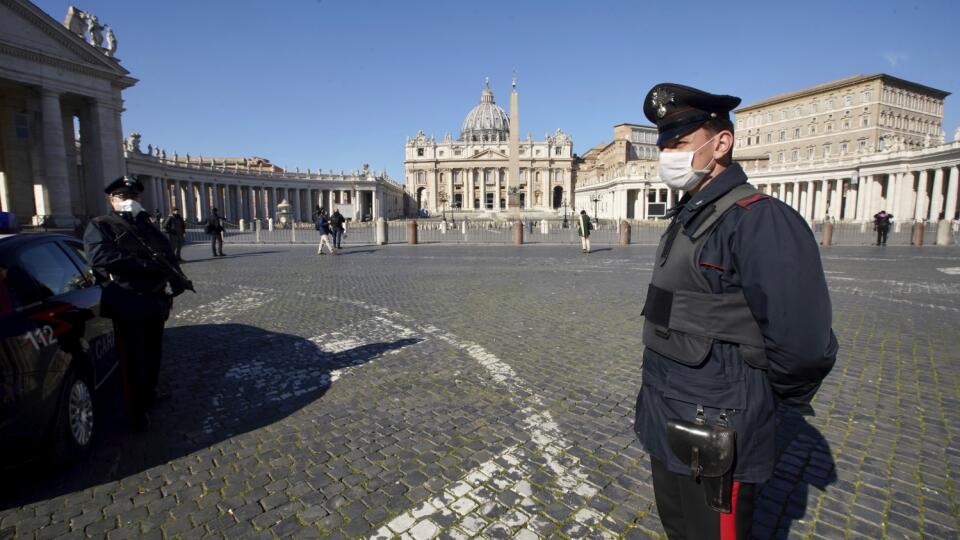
(74, 429)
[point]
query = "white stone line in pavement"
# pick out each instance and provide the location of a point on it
(953, 270)
(543, 430)
(224, 309)
(857, 291)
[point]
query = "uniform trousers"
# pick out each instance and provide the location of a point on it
(176, 242)
(216, 242)
(585, 243)
(139, 343)
(685, 514)
(882, 236)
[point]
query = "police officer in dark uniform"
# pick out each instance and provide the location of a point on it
(737, 323)
(140, 275)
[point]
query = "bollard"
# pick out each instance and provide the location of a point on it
(412, 232)
(544, 227)
(917, 238)
(381, 230)
(269, 224)
(463, 227)
(256, 231)
(443, 227)
(943, 232)
(624, 233)
(530, 226)
(826, 237)
(243, 224)
(293, 232)
(518, 233)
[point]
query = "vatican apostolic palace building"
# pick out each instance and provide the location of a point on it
(487, 169)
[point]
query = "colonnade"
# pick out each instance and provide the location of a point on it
(249, 195)
(917, 193)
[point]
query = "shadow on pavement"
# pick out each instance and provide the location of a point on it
(222, 379)
(804, 460)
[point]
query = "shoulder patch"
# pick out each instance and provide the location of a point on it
(745, 203)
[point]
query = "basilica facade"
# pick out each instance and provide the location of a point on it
(487, 169)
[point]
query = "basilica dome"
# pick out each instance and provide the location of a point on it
(487, 121)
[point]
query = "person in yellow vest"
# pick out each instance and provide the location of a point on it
(583, 230)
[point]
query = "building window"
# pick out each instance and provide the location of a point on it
(846, 124)
(457, 152)
(829, 127)
(557, 151)
(813, 129)
(863, 145)
(420, 152)
(441, 153)
(830, 104)
(810, 152)
(780, 156)
(867, 95)
(847, 101)
(783, 114)
(826, 150)
(798, 111)
(796, 133)
(864, 121)
(783, 135)
(769, 137)
(843, 149)
(795, 155)
(815, 107)
(769, 117)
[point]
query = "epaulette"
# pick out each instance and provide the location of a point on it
(745, 203)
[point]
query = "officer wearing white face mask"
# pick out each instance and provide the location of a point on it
(139, 273)
(737, 323)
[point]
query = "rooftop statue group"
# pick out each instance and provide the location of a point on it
(87, 26)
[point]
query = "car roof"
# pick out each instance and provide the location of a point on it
(13, 241)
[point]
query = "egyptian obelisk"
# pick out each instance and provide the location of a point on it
(513, 178)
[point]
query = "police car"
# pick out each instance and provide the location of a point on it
(55, 349)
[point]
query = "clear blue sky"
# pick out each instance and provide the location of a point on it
(338, 83)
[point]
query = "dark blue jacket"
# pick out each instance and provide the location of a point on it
(133, 286)
(768, 251)
(323, 224)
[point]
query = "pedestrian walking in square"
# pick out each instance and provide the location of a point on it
(323, 225)
(176, 230)
(881, 223)
(583, 230)
(214, 228)
(337, 227)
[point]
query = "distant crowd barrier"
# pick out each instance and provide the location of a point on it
(516, 232)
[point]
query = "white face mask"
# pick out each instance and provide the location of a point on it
(676, 168)
(127, 205)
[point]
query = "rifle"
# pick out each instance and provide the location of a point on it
(179, 281)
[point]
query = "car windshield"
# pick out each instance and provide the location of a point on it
(51, 269)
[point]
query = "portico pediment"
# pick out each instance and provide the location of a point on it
(27, 32)
(489, 154)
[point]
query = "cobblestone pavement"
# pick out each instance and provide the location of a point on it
(414, 391)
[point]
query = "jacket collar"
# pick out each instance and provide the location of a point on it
(689, 206)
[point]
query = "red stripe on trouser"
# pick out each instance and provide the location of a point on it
(728, 521)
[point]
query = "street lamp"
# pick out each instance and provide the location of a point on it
(443, 202)
(565, 225)
(596, 200)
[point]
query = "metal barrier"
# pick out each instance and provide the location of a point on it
(546, 231)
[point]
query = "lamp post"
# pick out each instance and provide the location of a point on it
(565, 224)
(596, 200)
(443, 202)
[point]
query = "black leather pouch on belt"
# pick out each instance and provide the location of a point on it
(708, 450)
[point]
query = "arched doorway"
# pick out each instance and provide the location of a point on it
(557, 197)
(420, 198)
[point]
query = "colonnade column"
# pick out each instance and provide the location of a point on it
(449, 193)
(821, 211)
(51, 194)
(920, 212)
(836, 200)
(950, 211)
(936, 200)
(804, 205)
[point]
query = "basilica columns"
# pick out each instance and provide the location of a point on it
(52, 191)
(950, 210)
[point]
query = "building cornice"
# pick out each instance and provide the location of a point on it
(839, 84)
(34, 56)
(99, 65)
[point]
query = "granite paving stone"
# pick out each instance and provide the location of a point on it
(488, 391)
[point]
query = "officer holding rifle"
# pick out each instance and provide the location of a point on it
(139, 273)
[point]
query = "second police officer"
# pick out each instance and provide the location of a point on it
(738, 322)
(140, 275)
